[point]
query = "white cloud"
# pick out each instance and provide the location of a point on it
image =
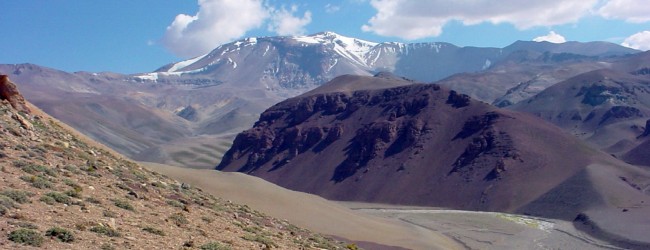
(414, 19)
(329, 8)
(635, 11)
(284, 23)
(550, 37)
(640, 41)
(217, 22)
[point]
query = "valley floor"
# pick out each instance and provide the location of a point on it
(488, 230)
(390, 226)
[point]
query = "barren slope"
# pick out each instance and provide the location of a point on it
(60, 192)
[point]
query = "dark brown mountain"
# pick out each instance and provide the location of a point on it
(416, 144)
(422, 144)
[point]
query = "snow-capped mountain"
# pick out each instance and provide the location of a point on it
(224, 91)
(304, 62)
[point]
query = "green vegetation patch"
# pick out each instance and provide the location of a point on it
(17, 195)
(153, 230)
(214, 246)
(59, 197)
(26, 237)
(123, 204)
(105, 231)
(60, 234)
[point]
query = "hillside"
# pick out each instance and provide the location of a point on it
(608, 108)
(59, 191)
(347, 146)
(418, 144)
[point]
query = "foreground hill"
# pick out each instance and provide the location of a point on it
(424, 145)
(59, 191)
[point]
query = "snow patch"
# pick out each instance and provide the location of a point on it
(487, 64)
(180, 65)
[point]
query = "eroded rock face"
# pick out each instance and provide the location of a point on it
(620, 112)
(417, 144)
(9, 92)
(486, 141)
(189, 113)
(646, 132)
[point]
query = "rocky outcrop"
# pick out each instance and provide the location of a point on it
(417, 144)
(10, 93)
(620, 112)
(646, 132)
(189, 113)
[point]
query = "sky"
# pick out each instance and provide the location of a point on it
(128, 36)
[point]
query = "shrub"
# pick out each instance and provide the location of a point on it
(72, 184)
(47, 200)
(261, 239)
(37, 181)
(105, 231)
(73, 193)
(178, 219)
(175, 203)
(27, 237)
(59, 197)
(61, 234)
(34, 169)
(123, 204)
(17, 195)
(214, 246)
(93, 200)
(154, 231)
(352, 246)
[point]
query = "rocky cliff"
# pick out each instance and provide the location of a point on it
(414, 144)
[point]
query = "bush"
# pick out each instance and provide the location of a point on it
(93, 200)
(178, 219)
(214, 246)
(175, 203)
(47, 200)
(105, 231)
(72, 184)
(61, 234)
(6, 203)
(34, 169)
(27, 237)
(123, 204)
(37, 181)
(73, 193)
(17, 195)
(59, 197)
(153, 231)
(261, 239)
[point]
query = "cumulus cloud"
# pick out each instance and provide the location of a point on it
(283, 22)
(640, 41)
(550, 37)
(414, 19)
(635, 11)
(217, 22)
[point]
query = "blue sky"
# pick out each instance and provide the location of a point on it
(129, 36)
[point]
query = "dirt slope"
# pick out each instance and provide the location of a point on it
(60, 192)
